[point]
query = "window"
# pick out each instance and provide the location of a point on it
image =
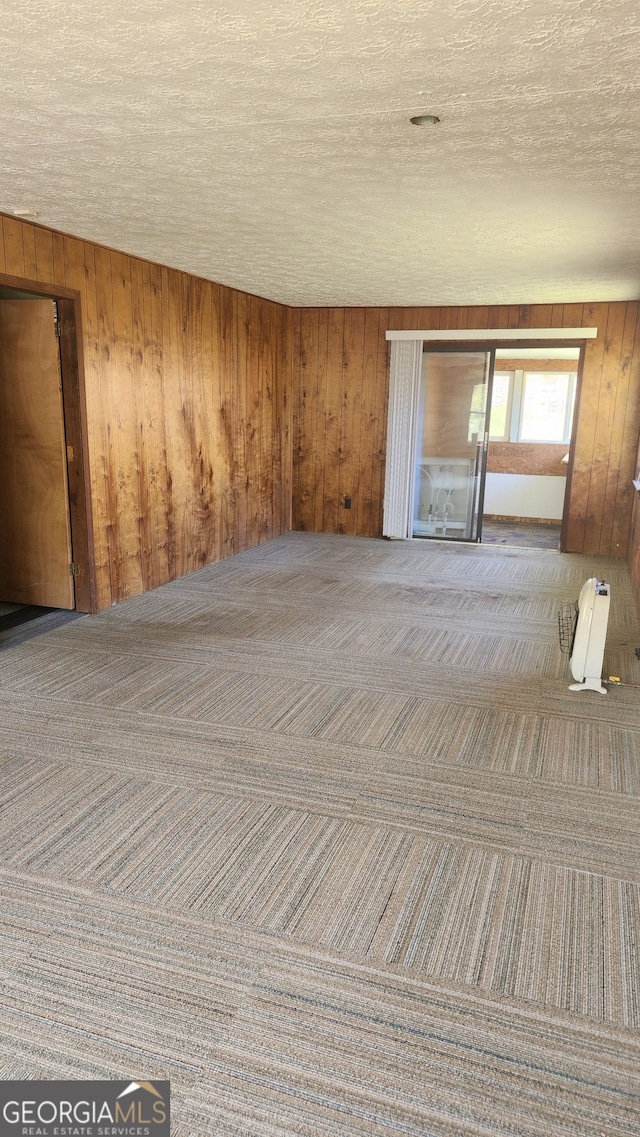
(547, 406)
(532, 406)
(500, 421)
(477, 412)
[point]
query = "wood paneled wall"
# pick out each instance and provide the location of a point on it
(340, 396)
(187, 408)
(633, 556)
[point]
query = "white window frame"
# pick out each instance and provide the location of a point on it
(506, 437)
(515, 408)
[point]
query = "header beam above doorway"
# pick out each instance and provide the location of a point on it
(476, 335)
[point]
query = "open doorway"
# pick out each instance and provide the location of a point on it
(45, 568)
(532, 410)
(438, 443)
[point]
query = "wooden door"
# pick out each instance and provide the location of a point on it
(35, 534)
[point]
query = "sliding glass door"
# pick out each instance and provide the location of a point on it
(452, 434)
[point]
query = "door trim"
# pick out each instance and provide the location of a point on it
(75, 421)
(493, 338)
(564, 525)
(485, 446)
(511, 334)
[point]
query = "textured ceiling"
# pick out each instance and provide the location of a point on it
(267, 145)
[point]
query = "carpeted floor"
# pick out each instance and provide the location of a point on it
(22, 622)
(321, 835)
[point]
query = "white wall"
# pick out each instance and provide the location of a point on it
(524, 495)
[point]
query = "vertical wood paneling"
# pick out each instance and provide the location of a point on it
(341, 423)
(142, 474)
(109, 516)
(226, 438)
(540, 316)
(308, 458)
(125, 440)
(480, 318)
(373, 422)
(633, 556)
(29, 252)
(161, 530)
(282, 350)
(13, 246)
(353, 449)
(258, 472)
(580, 522)
(74, 276)
(321, 420)
(627, 427)
(92, 375)
(606, 451)
(59, 267)
(380, 457)
(428, 319)
(448, 319)
(572, 316)
(206, 548)
(187, 388)
(240, 400)
(44, 256)
(298, 421)
(333, 410)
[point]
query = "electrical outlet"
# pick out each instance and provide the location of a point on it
(347, 503)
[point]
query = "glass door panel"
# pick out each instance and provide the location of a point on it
(451, 444)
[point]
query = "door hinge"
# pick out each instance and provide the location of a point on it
(74, 569)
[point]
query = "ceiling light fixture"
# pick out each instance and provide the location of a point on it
(425, 120)
(24, 212)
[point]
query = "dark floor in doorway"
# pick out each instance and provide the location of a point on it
(521, 533)
(22, 622)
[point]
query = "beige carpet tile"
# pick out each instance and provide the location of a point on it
(191, 754)
(351, 591)
(560, 747)
(592, 830)
(433, 905)
(503, 818)
(427, 658)
(399, 1056)
(273, 1037)
(321, 834)
(147, 986)
(339, 1069)
(569, 825)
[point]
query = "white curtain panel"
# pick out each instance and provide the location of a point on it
(404, 386)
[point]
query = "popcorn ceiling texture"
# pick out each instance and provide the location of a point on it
(266, 145)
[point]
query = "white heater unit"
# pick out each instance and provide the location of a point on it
(590, 634)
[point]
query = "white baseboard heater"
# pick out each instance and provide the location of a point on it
(583, 633)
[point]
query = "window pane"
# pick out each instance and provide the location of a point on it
(477, 410)
(499, 404)
(544, 406)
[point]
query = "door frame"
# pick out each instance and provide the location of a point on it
(76, 433)
(481, 340)
(564, 526)
(493, 344)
